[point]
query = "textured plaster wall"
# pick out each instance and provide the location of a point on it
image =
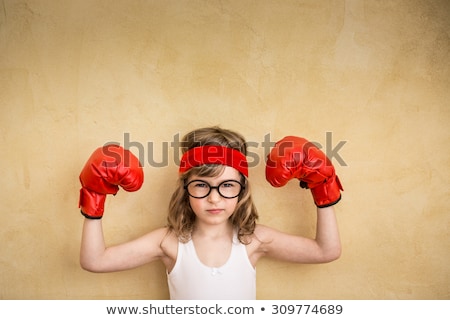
(373, 74)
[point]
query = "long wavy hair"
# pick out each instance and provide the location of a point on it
(181, 218)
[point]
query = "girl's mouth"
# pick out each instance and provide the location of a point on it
(214, 211)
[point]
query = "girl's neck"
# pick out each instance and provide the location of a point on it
(213, 231)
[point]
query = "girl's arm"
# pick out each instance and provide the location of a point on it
(106, 169)
(325, 247)
(327, 234)
(295, 158)
(96, 257)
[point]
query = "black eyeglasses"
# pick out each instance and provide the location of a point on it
(228, 189)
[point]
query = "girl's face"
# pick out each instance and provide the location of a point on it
(215, 209)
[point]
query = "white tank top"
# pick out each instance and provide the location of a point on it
(190, 279)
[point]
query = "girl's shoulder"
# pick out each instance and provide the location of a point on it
(169, 239)
(263, 233)
(169, 247)
(258, 245)
(261, 236)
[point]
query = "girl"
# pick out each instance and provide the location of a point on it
(212, 243)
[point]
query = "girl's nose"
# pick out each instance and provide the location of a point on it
(214, 196)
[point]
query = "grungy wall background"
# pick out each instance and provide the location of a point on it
(369, 78)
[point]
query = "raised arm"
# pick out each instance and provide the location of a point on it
(106, 169)
(296, 158)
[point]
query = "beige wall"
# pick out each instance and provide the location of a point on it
(77, 74)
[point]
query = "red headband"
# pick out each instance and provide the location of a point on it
(198, 156)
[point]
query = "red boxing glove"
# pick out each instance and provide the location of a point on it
(295, 157)
(108, 167)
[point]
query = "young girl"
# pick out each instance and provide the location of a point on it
(212, 242)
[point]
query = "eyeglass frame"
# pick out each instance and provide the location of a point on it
(213, 187)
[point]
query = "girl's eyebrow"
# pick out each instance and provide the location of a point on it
(209, 181)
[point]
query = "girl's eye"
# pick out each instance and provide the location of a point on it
(229, 184)
(201, 185)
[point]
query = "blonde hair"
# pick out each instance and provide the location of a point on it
(181, 218)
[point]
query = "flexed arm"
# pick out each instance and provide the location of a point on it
(106, 169)
(297, 158)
